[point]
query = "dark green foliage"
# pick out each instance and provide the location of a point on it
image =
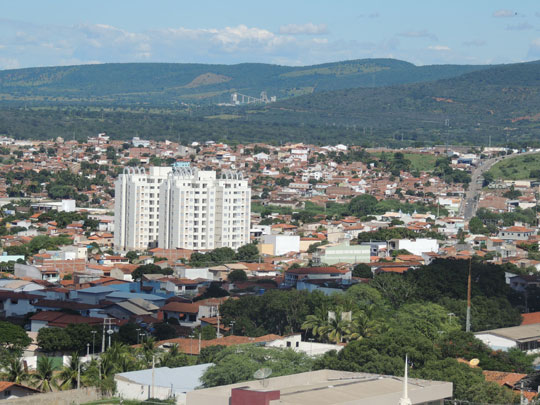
(214, 290)
(208, 354)
(163, 331)
(362, 270)
(239, 363)
(128, 333)
(150, 269)
(237, 275)
(73, 338)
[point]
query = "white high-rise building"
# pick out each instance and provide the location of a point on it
(181, 207)
(200, 211)
(136, 207)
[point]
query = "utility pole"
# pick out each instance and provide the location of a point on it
(153, 375)
(218, 334)
(468, 320)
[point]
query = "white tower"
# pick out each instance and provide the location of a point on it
(405, 400)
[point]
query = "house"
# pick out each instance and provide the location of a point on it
(160, 383)
(415, 247)
(345, 253)
(278, 245)
(16, 304)
(132, 308)
(524, 337)
(292, 276)
(57, 319)
(515, 233)
(11, 390)
(187, 314)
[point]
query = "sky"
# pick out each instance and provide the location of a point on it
(286, 32)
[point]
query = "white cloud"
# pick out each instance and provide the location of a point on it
(9, 63)
(524, 26)
(370, 15)
(418, 34)
(439, 48)
(504, 13)
(303, 29)
(474, 42)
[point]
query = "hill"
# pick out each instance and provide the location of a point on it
(520, 167)
(502, 102)
(169, 84)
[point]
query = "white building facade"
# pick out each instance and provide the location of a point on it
(200, 211)
(181, 207)
(136, 208)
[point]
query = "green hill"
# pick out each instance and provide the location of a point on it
(502, 101)
(166, 84)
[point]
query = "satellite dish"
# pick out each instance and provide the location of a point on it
(135, 261)
(262, 374)
(95, 250)
(474, 362)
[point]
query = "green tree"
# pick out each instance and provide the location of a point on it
(44, 379)
(149, 269)
(362, 270)
(239, 363)
(163, 331)
(237, 275)
(69, 373)
(247, 253)
(476, 226)
(173, 357)
(362, 205)
(396, 289)
(208, 354)
(14, 370)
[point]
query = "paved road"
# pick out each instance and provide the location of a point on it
(470, 203)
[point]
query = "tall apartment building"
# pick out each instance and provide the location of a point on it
(200, 211)
(136, 207)
(181, 207)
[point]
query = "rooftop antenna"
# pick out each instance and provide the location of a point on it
(405, 400)
(262, 374)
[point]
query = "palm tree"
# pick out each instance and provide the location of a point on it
(317, 322)
(70, 374)
(362, 326)
(337, 329)
(173, 358)
(43, 378)
(14, 371)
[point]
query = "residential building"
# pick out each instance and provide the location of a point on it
(160, 383)
(524, 337)
(345, 253)
(136, 210)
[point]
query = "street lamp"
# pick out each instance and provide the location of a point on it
(191, 345)
(232, 327)
(87, 349)
(110, 332)
(138, 332)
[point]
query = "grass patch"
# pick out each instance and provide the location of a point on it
(516, 168)
(223, 117)
(422, 162)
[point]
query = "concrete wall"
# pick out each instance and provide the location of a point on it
(59, 398)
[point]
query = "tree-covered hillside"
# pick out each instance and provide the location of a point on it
(174, 83)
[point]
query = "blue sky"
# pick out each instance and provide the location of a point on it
(293, 32)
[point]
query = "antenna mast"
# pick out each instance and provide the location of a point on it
(405, 400)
